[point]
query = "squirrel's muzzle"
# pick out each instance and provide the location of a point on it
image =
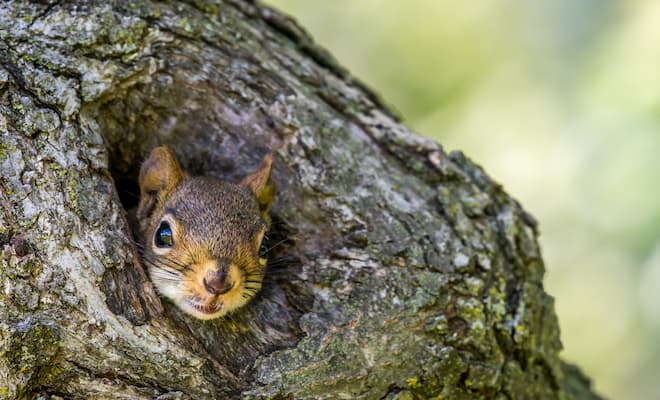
(216, 282)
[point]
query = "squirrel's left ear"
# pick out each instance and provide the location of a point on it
(262, 185)
(159, 176)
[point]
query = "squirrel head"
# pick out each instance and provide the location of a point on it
(202, 237)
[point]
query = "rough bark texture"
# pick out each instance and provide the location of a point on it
(404, 272)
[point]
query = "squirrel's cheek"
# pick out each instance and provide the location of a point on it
(163, 283)
(173, 292)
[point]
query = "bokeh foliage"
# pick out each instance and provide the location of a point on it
(560, 101)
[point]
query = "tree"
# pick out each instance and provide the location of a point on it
(401, 271)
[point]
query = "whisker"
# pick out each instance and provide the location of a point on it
(282, 267)
(165, 278)
(175, 264)
(172, 263)
(281, 260)
(161, 269)
(169, 279)
(172, 260)
(163, 264)
(272, 247)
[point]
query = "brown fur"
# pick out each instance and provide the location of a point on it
(215, 225)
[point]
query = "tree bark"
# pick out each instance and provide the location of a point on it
(403, 272)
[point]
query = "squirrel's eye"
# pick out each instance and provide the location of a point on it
(163, 236)
(263, 248)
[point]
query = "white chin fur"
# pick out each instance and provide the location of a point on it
(190, 310)
(175, 293)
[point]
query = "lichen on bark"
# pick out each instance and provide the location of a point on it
(404, 272)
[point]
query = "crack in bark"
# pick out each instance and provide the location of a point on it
(45, 12)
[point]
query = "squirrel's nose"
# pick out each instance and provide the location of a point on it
(216, 283)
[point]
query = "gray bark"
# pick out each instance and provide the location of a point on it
(404, 272)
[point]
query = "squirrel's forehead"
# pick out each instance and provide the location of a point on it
(212, 193)
(213, 206)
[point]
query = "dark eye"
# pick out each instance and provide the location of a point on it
(163, 236)
(263, 248)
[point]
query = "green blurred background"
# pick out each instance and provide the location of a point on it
(560, 101)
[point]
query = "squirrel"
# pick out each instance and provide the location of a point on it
(202, 238)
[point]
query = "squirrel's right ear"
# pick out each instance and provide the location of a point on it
(262, 185)
(159, 175)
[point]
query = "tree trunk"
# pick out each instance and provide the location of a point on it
(403, 272)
